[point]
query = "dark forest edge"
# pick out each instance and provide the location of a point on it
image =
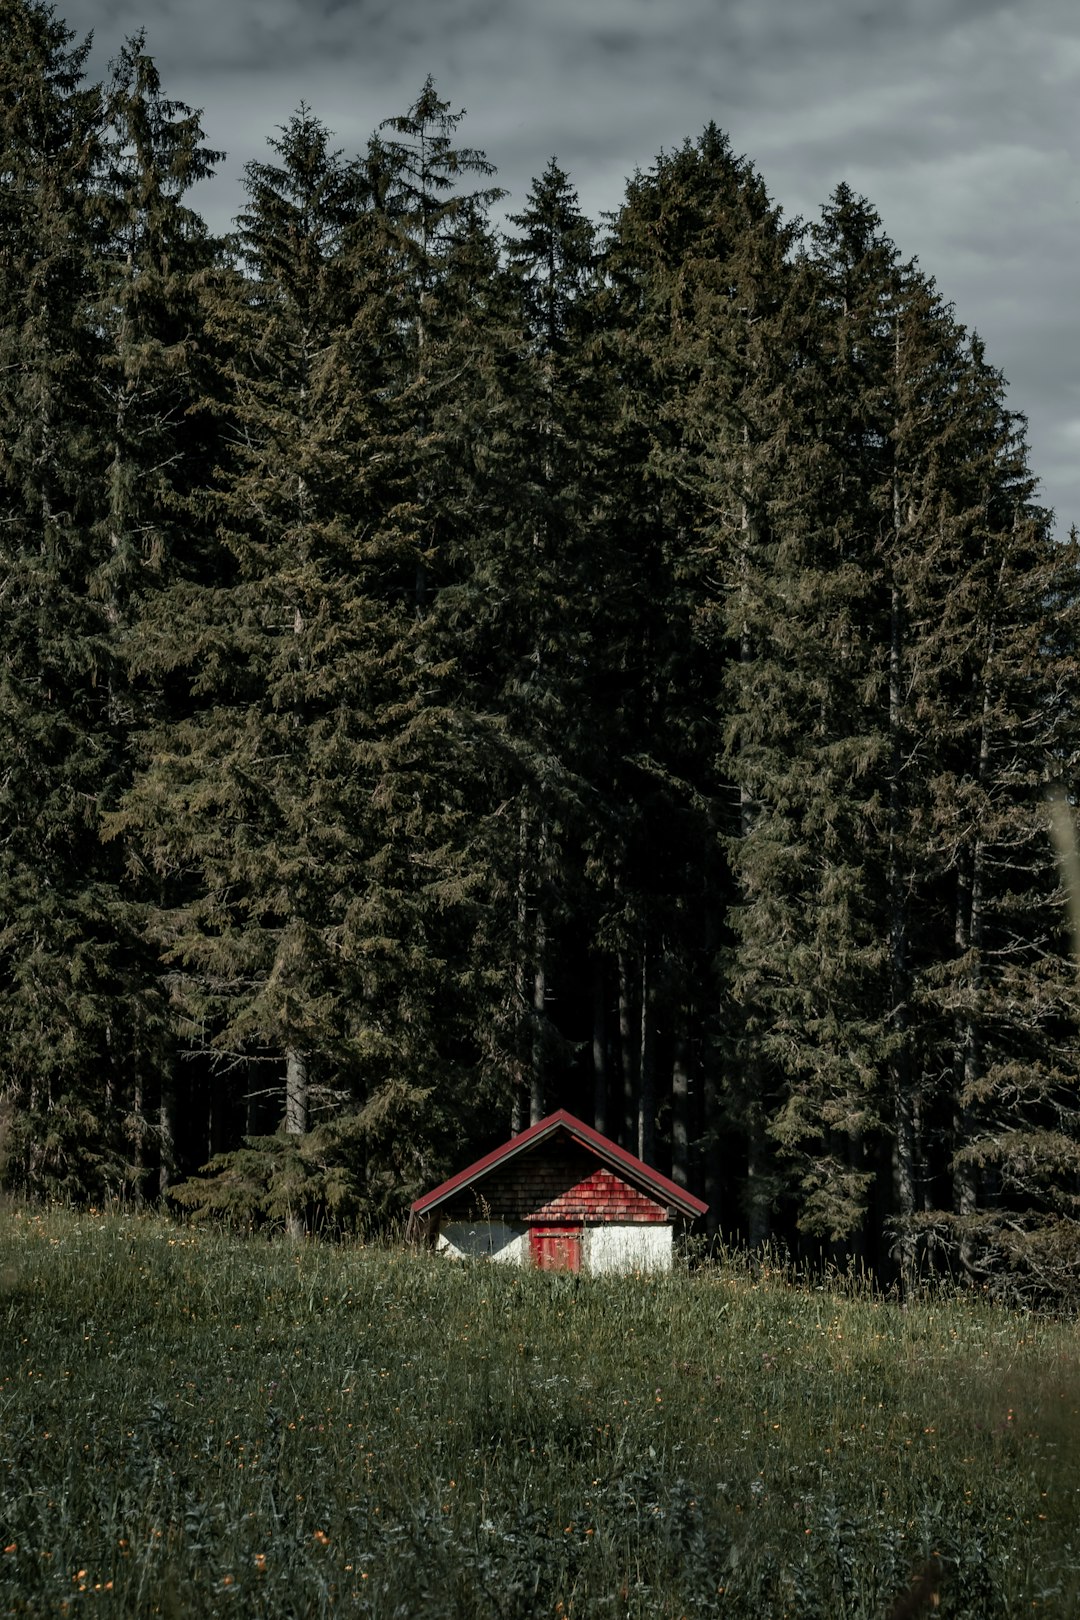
(452, 673)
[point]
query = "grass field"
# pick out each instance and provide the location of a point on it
(193, 1424)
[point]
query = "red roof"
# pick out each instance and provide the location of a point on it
(663, 1189)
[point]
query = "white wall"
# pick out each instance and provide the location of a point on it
(632, 1247)
(498, 1240)
(627, 1248)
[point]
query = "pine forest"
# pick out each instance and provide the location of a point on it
(459, 659)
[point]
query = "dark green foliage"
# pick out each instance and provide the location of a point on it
(446, 676)
(227, 800)
(68, 999)
(531, 617)
(709, 310)
(352, 1173)
(303, 807)
(256, 804)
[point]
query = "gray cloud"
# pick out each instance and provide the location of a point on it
(955, 117)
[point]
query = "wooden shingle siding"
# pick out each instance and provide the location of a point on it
(560, 1183)
(551, 1161)
(558, 1196)
(601, 1196)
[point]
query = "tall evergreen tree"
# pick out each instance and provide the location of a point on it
(901, 594)
(699, 262)
(293, 805)
(987, 677)
(415, 173)
(226, 805)
(61, 967)
(808, 738)
(152, 257)
(533, 594)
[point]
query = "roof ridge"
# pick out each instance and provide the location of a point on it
(589, 1137)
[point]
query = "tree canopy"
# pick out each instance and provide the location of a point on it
(454, 667)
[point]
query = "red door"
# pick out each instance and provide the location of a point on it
(555, 1248)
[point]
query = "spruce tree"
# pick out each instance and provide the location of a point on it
(808, 741)
(62, 963)
(225, 807)
(936, 558)
(531, 591)
(994, 986)
(152, 257)
(699, 266)
(415, 173)
(291, 803)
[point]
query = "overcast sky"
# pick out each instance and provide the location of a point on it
(958, 119)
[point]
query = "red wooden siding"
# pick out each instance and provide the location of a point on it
(556, 1182)
(543, 1139)
(599, 1196)
(555, 1248)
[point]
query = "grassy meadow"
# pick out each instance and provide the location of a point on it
(194, 1424)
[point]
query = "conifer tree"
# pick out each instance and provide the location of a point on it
(292, 807)
(922, 610)
(61, 963)
(986, 687)
(488, 395)
(415, 174)
(533, 594)
(153, 254)
(699, 263)
(808, 740)
(225, 805)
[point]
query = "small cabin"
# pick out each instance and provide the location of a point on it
(562, 1197)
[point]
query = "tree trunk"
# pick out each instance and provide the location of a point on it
(599, 1047)
(966, 1057)
(537, 1075)
(536, 1078)
(296, 1119)
(296, 1092)
(646, 1122)
(710, 1145)
(758, 1183)
(905, 1181)
(680, 1108)
(138, 1155)
(629, 1052)
(166, 1136)
(855, 1147)
(522, 1087)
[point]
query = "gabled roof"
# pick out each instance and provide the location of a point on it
(617, 1158)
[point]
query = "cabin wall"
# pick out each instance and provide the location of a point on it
(622, 1248)
(492, 1240)
(609, 1248)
